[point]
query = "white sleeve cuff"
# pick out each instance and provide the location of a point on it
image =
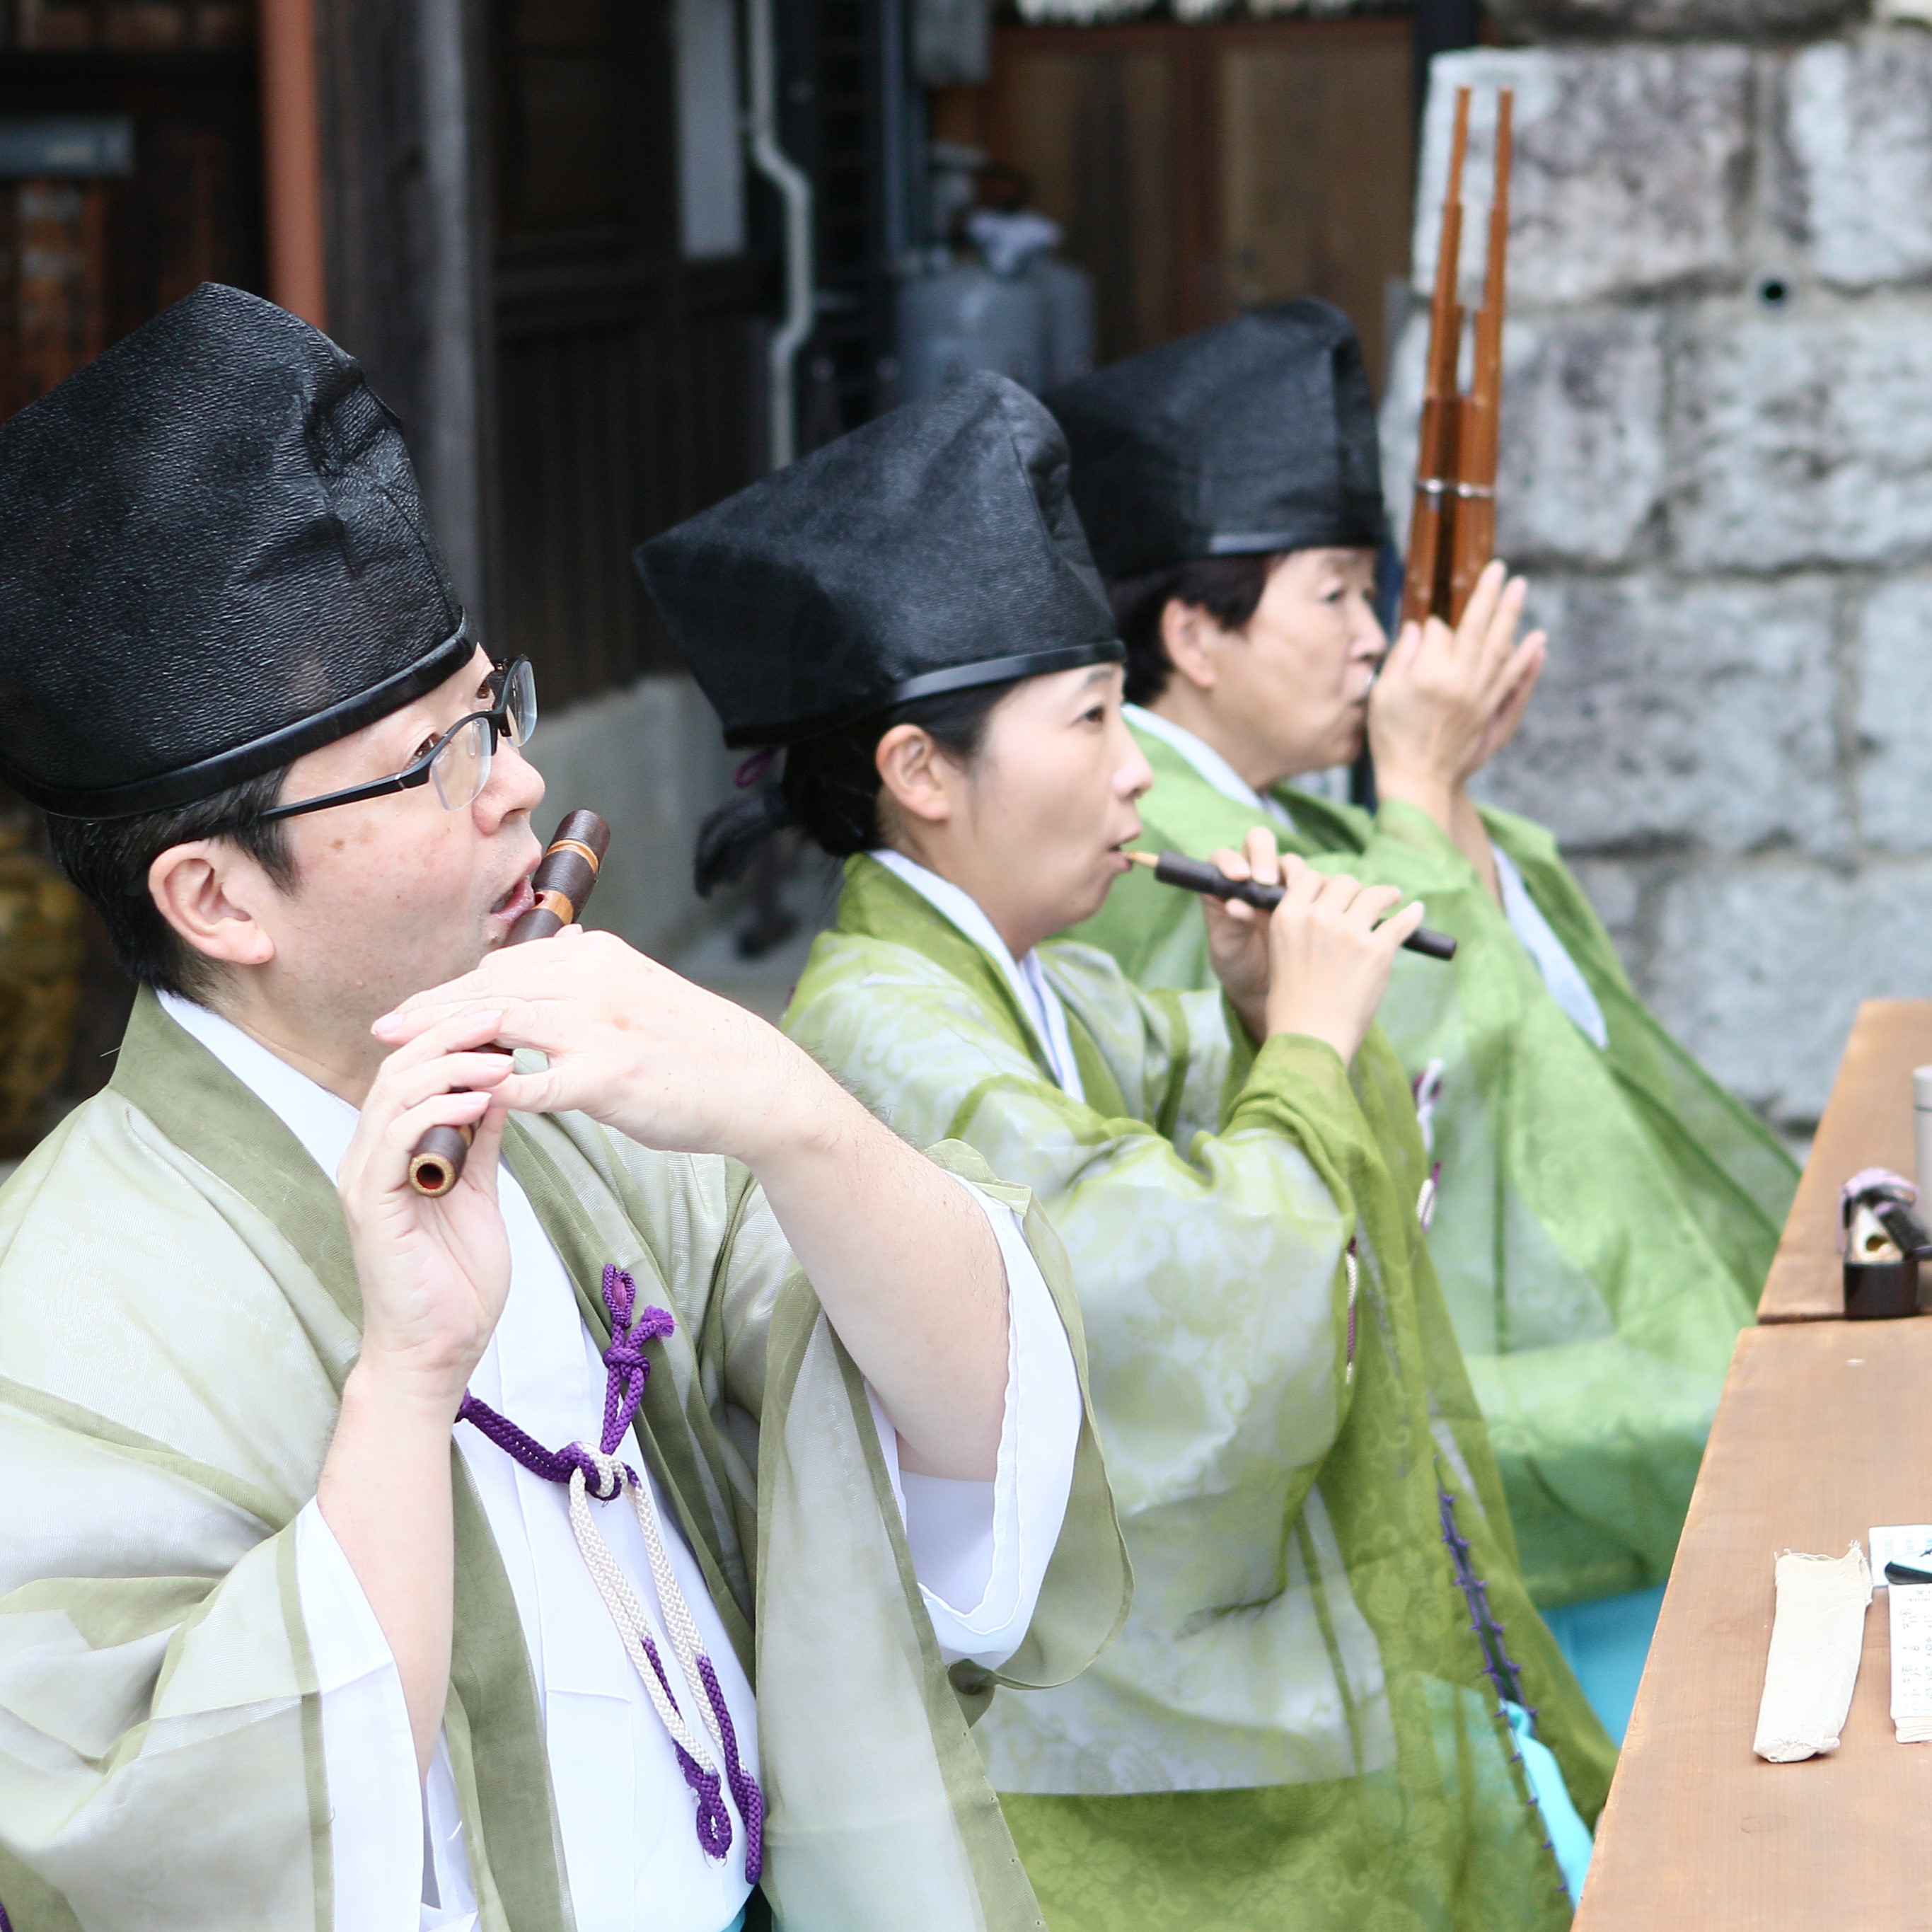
(981, 1549)
(376, 1833)
(376, 1819)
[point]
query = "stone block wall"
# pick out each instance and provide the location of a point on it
(1718, 474)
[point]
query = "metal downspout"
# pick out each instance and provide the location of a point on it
(292, 159)
(794, 190)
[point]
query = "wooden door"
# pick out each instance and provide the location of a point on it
(1201, 170)
(1313, 134)
(625, 376)
(1107, 123)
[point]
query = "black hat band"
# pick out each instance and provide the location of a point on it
(934, 684)
(166, 790)
(1256, 543)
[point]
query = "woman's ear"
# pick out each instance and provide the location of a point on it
(206, 891)
(917, 774)
(1189, 634)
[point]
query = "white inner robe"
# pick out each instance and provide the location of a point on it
(980, 1550)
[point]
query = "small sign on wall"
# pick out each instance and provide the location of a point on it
(67, 149)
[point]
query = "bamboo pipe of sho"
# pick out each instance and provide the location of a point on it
(1473, 536)
(562, 883)
(1196, 875)
(1431, 518)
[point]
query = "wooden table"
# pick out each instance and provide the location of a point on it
(1825, 1429)
(1868, 1122)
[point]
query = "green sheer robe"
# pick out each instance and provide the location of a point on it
(1606, 1217)
(1294, 1728)
(178, 1311)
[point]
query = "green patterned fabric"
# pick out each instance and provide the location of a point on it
(1295, 1727)
(1607, 1217)
(178, 1312)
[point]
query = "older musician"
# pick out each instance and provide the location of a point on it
(1606, 1212)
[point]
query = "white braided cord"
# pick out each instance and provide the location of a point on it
(683, 1627)
(633, 1622)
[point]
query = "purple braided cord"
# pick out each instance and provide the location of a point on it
(714, 1821)
(623, 1395)
(628, 1370)
(6, 1924)
(1497, 1664)
(553, 1466)
(624, 1392)
(744, 1786)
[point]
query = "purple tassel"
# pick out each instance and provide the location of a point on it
(629, 1370)
(1497, 1664)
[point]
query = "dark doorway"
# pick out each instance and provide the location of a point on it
(626, 375)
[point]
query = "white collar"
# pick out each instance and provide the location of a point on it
(1561, 974)
(324, 1123)
(1205, 760)
(1037, 1000)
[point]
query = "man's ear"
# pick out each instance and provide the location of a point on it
(914, 772)
(208, 890)
(1189, 634)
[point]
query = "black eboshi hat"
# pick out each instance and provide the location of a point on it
(213, 558)
(933, 549)
(1255, 437)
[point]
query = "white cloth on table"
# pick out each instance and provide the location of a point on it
(980, 1550)
(1817, 1632)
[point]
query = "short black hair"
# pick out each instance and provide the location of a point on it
(1229, 589)
(830, 786)
(108, 859)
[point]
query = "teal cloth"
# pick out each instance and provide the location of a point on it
(1605, 1642)
(1569, 1837)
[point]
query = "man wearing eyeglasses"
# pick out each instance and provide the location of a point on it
(575, 1550)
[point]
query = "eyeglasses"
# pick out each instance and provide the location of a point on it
(458, 763)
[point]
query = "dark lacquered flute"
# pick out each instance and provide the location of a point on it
(1196, 875)
(562, 882)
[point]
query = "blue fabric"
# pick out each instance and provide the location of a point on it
(1569, 1837)
(1605, 1642)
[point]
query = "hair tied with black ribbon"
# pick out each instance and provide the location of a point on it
(731, 836)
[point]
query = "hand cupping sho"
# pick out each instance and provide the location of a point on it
(1446, 701)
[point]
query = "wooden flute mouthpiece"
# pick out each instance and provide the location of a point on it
(561, 883)
(1196, 875)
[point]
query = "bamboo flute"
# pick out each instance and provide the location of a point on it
(1196, 875)
(562, 883)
